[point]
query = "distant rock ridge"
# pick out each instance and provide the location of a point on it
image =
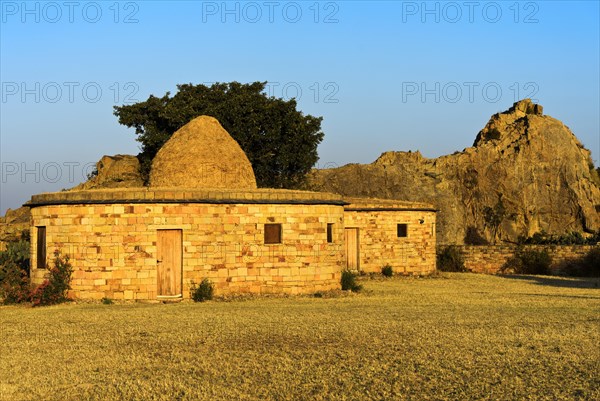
(531, 163)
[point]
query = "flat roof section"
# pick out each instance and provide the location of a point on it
(182, 195)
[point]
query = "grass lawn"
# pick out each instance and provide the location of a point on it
(455, 337)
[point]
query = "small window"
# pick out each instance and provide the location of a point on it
(330, 232)
(272, 233)
(402, 230)
(41, 247)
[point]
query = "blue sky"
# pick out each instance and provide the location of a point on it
(384, 75)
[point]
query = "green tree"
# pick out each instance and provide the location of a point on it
(493, 217)
(280, 141)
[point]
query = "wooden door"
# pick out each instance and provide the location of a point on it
(352, 254)
(169, 263)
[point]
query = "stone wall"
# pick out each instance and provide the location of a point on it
(113, 246)
(489, 258)
(379, 244)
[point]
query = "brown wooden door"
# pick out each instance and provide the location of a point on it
(352, 254)
(168, 263)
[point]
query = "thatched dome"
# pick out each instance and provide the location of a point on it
(201, 154)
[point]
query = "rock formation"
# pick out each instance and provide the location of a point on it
(119, 171)
(530, 164)
(201, 154)
(13, 225)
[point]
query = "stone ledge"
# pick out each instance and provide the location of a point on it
(184, 195)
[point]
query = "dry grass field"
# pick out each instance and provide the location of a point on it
(454, 337)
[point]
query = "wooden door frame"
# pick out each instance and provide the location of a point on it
(180, 281)
(357, 247)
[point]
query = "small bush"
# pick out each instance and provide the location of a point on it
(493, 134)
(202, 292)
(572, 238)
(14, 272)
(14, 287)
(16, 252)
(472, 237)
(349, 281)
(451, 259)
(587, 266)
(107, 301)
(591, 263)
(387, 271)
(528, 261)
(54, 289)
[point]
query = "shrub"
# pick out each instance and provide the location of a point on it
(387, 271)
(472, 237)
(586, 266)
(14, 287)
(493, 134)
(107, 301)
(14, 272)
(349, 281)
(572, 238)
(202, 292)
(54, 289)
(493, 217)
(591, 263)
(451, 259)
(16, 252)
(528, 261)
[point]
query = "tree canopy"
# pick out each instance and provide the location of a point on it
(280, 141)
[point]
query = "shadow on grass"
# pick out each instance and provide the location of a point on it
(556, 281)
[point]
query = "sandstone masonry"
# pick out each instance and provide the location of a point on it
(395, 233)
(112, 238)
(490, 258)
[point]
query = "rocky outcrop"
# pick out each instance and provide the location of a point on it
(14, 225)
(201, 154)
(119, 171)
(528, 168)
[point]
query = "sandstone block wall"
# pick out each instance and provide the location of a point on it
(113, 246)
(490, 258)
(379, 243)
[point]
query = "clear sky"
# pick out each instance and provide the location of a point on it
(385, 75)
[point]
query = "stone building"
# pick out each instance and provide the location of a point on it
(203, 217)
(389, 232)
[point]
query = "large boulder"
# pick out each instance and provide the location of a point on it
(530, 163)
(118, 171)
(201, 154)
